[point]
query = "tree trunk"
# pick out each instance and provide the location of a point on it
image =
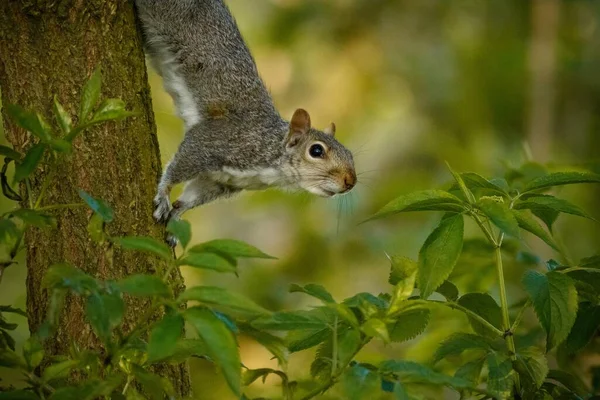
(49, 48)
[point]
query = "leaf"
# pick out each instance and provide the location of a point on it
(62, 117)
(164, 337)
(29, 163)
(224, 301)
(230, 247)
(426, 200)
(585, 327)
(97, 313)
(412, 372)
(360, 383)
(471, 371)
(145, 244)
(457, 343)
(8, 230)
(29, 121)
(59, 370)
(181, 230)
(210, 261)
(66, 276)
(561, 178)
(90, 95)
(313, 290)
(375, 327)
(33, 352)
(153, 384)
(448, 290)
(272, 343)
(95, 228)
(554, 299)
(88, 390)
(111, 110)
(184, 349)
(486, 307)
(476, 181)
(35, 218)
(290, 320)
(571, 382)
(402, 268)
(546, 202)
(61, 145)
(99, 206)
(18, 395)
(9, 153)
(439, 254)
(298, 340)
(7, 191)
(143, 286)
(10, 359)
(409, 324)
(461, 184)
(500, 375)
(500, 215)
(220, 343)
(13, 310)
(532, 365)
(527, 222)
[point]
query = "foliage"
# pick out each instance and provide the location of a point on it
(564, 300)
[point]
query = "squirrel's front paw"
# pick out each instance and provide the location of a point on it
(163, 208)
(172, 240)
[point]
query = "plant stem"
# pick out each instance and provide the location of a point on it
(332, 381)
(519, 316)
(29, 194)
(334, 347)
(486, 231)
(510, 342)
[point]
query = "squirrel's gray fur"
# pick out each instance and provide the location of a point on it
(235, 139)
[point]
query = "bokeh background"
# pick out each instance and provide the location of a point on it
(483, 85)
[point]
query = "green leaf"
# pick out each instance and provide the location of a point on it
(143, 286)
(30, 162)
(527, 222)
(110, 110)
(35, 218)
(532, 366)
(375, 327)
(298, 340)
(220, 344)
(547, 216)
(61, 145)
(66, 276)
(500, 375)
(18, 395)
(554, 299)
(98, 315)
(99, 206)
(270, 342)
(210, 261)
(313, 290)
(409, 324)
(33, 352)
(426, 200)
(486, 307)
(90, 95)
(29, 121)
(571, 382)
(585, 327)
(9, 153)
(59, 370)
(153, 384)
(448, 290)
(561, 178)
(181, 230)
(291, 320)
(461, 184)
(475, 181)
(88, 390)
(439, 254)
(8, 230)
(546, 202)
(7, 191)
(10, 359)
(459, 342)
(590, 262)
(13, 310)
(230, 247)
(401, 269)
(412, 372)
(500, 215)
(471, 371)
(360, 383)
(164, 337)
(115, 307)
(95, 228)
(62, 117)
(145, 244)
(225, 301)
(186, 348)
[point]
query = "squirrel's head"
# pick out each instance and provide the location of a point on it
(316, 160)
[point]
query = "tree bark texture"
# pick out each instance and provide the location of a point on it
(48, 48)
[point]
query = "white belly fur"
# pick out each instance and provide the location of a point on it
(254, 179)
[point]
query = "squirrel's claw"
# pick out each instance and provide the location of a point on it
(171, 240)
(162, 210)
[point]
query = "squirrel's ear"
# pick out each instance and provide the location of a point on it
(330, 130)
(300, 122)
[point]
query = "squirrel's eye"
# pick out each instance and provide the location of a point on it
(316, 151)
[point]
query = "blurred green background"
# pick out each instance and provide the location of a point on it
(483, 85)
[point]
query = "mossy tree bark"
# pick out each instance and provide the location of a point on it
(50, 48)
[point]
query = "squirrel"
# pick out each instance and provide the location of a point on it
(234, 137)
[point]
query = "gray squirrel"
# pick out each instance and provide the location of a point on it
(234, 137)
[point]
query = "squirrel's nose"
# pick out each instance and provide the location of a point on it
(349, 181)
